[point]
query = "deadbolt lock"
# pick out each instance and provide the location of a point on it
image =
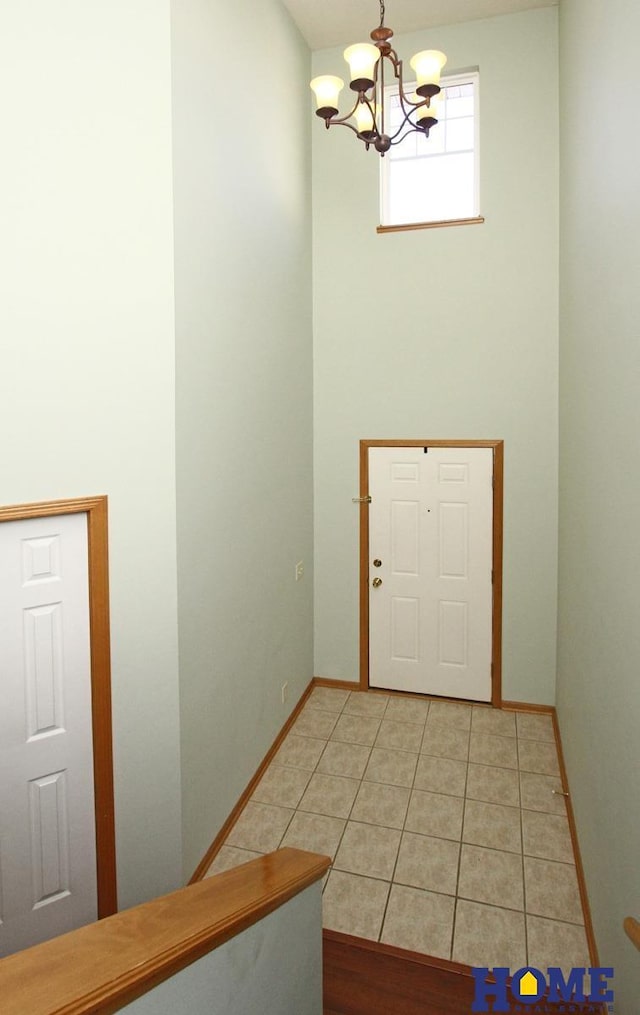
(377, 563)
(377, 582)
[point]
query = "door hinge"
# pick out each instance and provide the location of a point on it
(492, 577)
(361, 500)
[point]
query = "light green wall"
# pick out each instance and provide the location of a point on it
(446, 333)
(87, 355)
(274, 967)
(244, 392)
(599, 639)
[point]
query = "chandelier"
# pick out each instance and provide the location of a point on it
(367, 68)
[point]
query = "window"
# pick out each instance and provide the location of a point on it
(434, 179)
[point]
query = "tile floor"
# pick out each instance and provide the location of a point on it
(445, 835)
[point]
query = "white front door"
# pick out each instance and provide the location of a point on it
(430, 561)
(47, 819)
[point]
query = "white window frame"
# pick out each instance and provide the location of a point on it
(471, 77)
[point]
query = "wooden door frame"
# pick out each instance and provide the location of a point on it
(95, 509)
(498, 509)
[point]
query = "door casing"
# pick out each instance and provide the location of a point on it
(498, 495)
(95, 509)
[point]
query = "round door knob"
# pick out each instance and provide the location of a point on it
(377, 582)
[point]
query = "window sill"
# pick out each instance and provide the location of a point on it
(430, 225)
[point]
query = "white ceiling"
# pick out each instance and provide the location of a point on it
(339, 22)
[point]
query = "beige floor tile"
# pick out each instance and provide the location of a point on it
(349, 760)
(435, 814)
(552, 890)
(451, 714)
(552, 943)
(537, 756)
(491, 876)
(492, 825)
(489, 936)
(536, 793)
(396, 768)
(535, 727)
(330, 699)
(329, 794)
(399, 736)
(445, 742)
(419, 921)
(547, 836)
(356, 729)
(352, 904)
(316, 833)
(486, 749)
(281, 786)
(231, 856)
(314, 722)
(369, 850)
(407, 710)
(381, 805)
(260, 827)
(493, 720)
(441, 775)
(366, 704)
(427, 862)
(299, 752)
(493, 785)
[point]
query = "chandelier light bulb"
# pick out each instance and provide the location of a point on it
(364, 119)
(327, 89)
(427, 116)
(428, 65)
(362, 59)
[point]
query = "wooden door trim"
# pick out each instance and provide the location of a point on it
(95, 509)
(498, 521)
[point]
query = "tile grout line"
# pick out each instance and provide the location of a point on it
(524, 880)
(403, 829)
(360, 781)
(464, 812)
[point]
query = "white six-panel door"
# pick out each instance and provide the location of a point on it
(47, 820)
(430, 598)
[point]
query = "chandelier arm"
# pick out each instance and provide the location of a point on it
(343, 119)
(412, 130)
(407, 119)
(343, 123)
(404, 98)
(396, 62)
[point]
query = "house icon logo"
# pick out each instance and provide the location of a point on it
(497, 989)
(528, 985)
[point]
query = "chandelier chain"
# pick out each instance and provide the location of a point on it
(382, 11)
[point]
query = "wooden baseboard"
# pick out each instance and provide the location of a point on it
(582, 885)
(509, 706)
(526, 706)
(343, 685)
(219, 840)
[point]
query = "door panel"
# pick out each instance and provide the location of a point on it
(430, 523)
(47, 812)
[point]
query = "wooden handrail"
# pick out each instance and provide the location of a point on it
(102, 967)
(632, 928)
